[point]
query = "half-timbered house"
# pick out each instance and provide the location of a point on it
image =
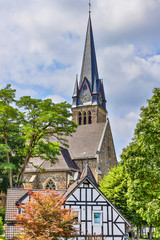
(97, 216)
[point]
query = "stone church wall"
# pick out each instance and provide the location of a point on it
(107, 157)
(81, 163)
(59, 178)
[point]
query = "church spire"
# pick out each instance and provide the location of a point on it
(89, 63)
(89, 103)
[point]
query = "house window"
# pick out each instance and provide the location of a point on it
(76, 217)
(97, 218)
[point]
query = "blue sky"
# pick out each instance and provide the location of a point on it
(41, 49)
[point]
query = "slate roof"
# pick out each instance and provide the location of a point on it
(86, 139)
(64, 163)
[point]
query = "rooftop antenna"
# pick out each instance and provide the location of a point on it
(89, 6)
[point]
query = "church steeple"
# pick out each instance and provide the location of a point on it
(89, 94)
(89, 63)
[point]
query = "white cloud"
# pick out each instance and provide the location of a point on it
(56, 98)
(41, 48)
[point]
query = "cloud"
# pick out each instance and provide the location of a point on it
(123, 130)
(41, 49)
(56, 98)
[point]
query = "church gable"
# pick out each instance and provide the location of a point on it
(95, 212)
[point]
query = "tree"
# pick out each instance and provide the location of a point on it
(142, 162)
(32, 131)
(115, 188)
(45, 217)
(10, 137)
(1, 226)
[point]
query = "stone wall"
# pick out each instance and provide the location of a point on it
(60, 179)
(81, 163)
(107, 156)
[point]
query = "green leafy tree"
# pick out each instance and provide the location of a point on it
(1, 226)
(32, 130)
(115, 187)
(10, 138)
(142, 162)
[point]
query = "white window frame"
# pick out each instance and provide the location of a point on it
(97, 224)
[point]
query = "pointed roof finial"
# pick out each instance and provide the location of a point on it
(89, 6)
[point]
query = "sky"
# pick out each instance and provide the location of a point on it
(42, 43)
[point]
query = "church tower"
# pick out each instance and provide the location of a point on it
(89, 102)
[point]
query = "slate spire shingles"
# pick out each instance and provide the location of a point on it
(75, 93)
(89, 63)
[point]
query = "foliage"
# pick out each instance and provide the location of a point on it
(156, 234)
(1, 226)
(31, 131)
(141, 160)
(115, 187)
(10, 138)
(2, 212)
(44, 217)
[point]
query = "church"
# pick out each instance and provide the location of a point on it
(82, 165)
(92, 142)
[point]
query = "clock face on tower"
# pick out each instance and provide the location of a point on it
(84, 97)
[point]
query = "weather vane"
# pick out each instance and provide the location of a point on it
(89, 6)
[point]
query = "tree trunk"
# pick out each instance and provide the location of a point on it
(138, 231)
(150, 232)
(21, 175)
(8, 160)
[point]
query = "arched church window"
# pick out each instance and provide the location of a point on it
(89, 117)
(79, 118)
(50, 185)
(84, 118)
